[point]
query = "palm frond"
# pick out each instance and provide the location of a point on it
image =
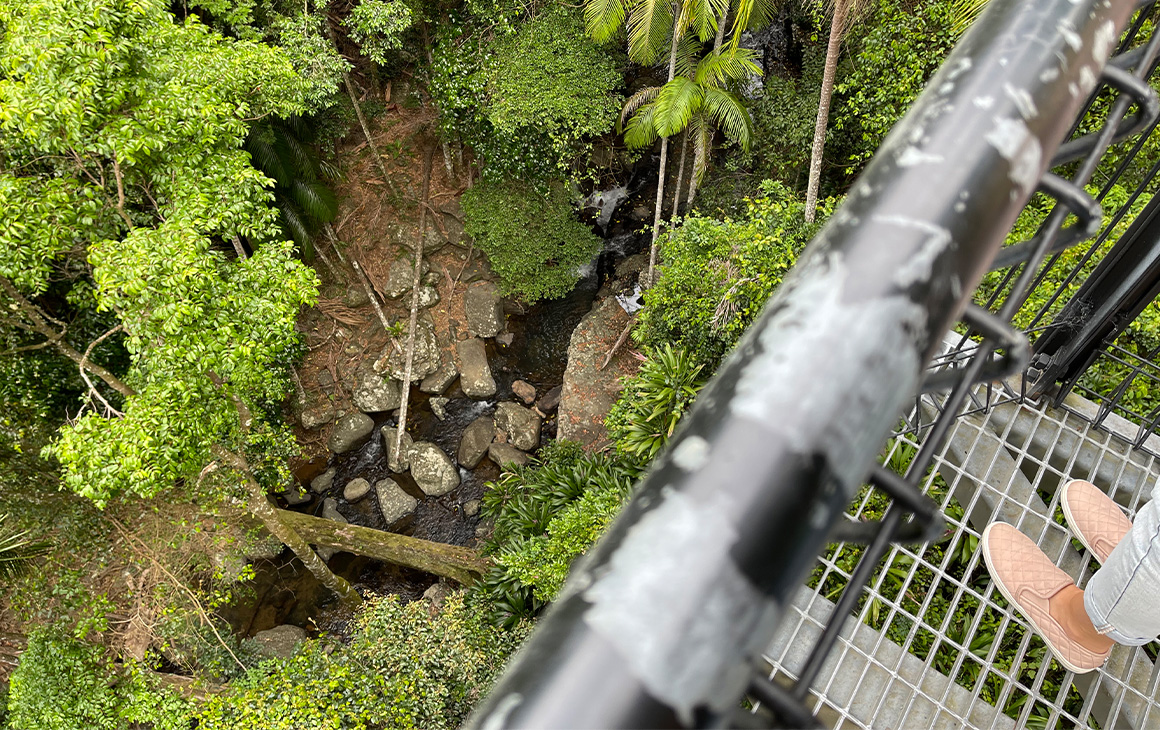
(965, 13)
(726, 64)
(264, 155)
(315, 199)
(688, 52)
(293, 223)
(727, 111)
(641, 130)
(704, 15)
(678, 101)
(650, 25)
(17, 551)
(636, 101)
(752, 14)
(603, 18)
(296, 155)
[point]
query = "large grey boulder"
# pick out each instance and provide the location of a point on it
(474, 372)
(402, 276)
(432, 469)
(428, 296)
(350, 432)
(374, 393)
(427, 356)
(476, 438)
(484, 308)
(280, 641)
(439, 381)
(521, 425)
(356, 489)
(323, 481)
(505, 454)
(316, 417)
(330, 511)
(394, 503)
(397, 463)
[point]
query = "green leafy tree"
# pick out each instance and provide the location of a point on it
(718, 275)
(142, 120)
(530, 236)
(63, 683)
(378, 27)
(527, 95)
(408, 665)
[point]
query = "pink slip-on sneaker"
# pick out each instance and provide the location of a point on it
(1093, 517)
(1029, 580)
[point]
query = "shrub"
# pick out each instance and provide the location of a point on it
(652, 402)
(64, 684)
(546, 515)
(407, 665)
(717, 274)
(533, 240)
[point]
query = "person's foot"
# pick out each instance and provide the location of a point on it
(1094, 519)
(1046, 596)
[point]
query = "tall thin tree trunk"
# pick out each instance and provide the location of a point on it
(841, 7)
(652, 254)
(362, 121)
(680, 173)
(414, 321)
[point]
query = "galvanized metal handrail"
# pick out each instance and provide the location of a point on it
(665, 620)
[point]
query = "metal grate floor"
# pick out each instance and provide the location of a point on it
(933, 644)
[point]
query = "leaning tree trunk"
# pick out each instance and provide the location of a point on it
(362, 121)
(652, 253)
(841, 7)
(271, 519)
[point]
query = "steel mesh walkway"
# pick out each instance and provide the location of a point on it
(933, 644)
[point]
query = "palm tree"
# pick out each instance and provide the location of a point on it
(16, 550)
(695, 100)
(282, 149)
(845, 11)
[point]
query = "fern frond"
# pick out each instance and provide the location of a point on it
(726, 110)
(17, 551)
(678, 101)
(299, 159)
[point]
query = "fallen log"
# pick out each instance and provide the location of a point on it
(449, 561)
